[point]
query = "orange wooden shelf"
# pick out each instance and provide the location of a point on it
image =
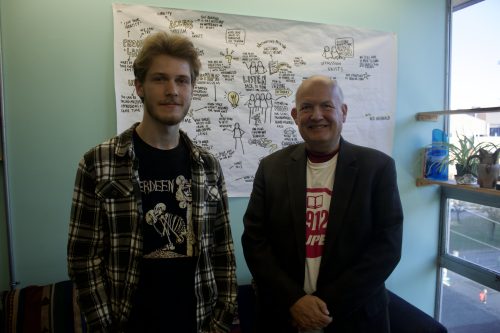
(433, 115)
(452, 183)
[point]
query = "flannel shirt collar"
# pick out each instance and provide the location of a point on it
(195, 151)
(124, 144)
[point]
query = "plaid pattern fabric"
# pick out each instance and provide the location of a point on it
(105, 238)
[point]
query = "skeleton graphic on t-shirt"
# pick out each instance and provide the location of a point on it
(167, 225)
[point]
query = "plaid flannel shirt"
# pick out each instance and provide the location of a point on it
(105, 238)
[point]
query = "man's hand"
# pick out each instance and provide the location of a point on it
(310, 313)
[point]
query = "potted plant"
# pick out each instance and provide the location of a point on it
(460, 153)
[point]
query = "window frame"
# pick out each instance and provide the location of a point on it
(472, 271)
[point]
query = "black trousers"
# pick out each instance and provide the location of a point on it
(357, 322)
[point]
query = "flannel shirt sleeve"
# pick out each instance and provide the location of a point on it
(86, 252)
(224, 265)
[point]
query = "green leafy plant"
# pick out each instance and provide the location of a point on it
(459, 153)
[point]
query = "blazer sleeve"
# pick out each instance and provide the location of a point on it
(257, 248)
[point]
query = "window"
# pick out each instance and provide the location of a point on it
(469, 306)
(469, 281)
(470, 262)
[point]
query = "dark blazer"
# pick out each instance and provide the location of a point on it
(362, 244)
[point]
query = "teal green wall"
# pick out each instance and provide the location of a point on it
(4, 257)
(59, 101)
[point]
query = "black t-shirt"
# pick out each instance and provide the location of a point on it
(165, 299)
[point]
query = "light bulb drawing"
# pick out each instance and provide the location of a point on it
(233, 98)
(229, 56)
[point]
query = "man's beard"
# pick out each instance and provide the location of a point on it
(167, 119)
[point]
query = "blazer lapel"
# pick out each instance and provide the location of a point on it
(345, 177)
(296, 177)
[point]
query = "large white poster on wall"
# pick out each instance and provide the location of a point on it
(251, 67)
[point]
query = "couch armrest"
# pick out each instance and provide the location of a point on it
(49, 308)
(407, 318)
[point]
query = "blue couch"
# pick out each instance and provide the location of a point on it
(53, 308)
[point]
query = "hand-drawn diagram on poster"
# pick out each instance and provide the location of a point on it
(251, 67)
